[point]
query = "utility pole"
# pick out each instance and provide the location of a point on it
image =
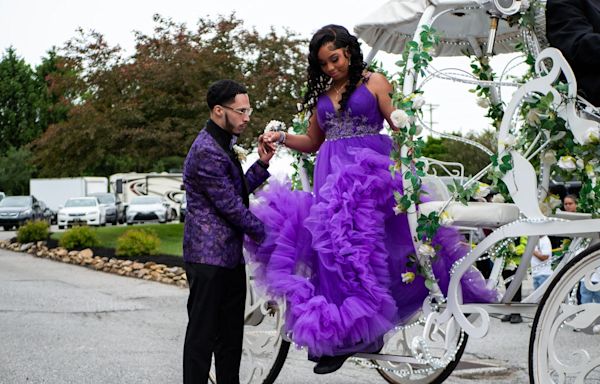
(430, 108)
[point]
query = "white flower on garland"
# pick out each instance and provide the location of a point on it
(426, 250)
(589, 170)
(400, 119)
(408, 277)
(509, 140)
(275, 126)
(549, 157)
(418, 101)
(579, 163)
(567, 163)
(592, 135)
(398, 210)
(240, 152)
(482, 191)
(498, 198)
(533, 117)
(483, 102)
(446, 219)
(553, 201)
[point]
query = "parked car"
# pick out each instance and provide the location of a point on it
(17, 210)
(149, 208)
(182, 209)
(115, 210)
(49, 215)
(81, 210)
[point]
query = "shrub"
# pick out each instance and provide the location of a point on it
(79, 237)
(137, 242)
(31, 231)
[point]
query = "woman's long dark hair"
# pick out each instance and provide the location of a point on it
(318, 82)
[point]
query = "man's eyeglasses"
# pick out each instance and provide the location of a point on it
(241, 111)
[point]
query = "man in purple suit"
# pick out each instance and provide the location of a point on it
(216, 221)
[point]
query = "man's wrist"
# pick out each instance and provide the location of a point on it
(262, 163)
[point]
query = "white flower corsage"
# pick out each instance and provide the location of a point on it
(275, 126)
(240, 152)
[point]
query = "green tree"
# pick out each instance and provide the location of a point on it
(473, 158)
(21, 102)
(143, 112)
(59, 96)
(15, 171)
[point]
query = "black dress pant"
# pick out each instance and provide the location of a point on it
(216, 323)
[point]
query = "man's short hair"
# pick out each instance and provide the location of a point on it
(223, 91)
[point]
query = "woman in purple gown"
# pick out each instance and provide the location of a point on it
(337, 254)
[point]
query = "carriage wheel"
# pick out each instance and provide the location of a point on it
(564, 345)
(448, 347)
(264, 350)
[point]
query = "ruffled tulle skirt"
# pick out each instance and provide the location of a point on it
(337, 256)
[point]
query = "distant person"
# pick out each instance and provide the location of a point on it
(570, 203)
(573, 27)
(541, 267)
(216, 221)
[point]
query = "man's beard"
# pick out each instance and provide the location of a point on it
(229, 127)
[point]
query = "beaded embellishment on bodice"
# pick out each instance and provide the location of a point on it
(361, 117)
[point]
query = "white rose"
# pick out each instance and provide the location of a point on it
(589, 170)
(498, 198)
(418, 102)
(549, 157)
(592, 135)
(398, 210)
(483, 102)
(579, 163)
(509, 140)
(446, 219)
(426, 250)
(400, 119)
(419, 130)
(546, 211)
(567, 163)
(553, 201)
(533, 117)
(482, 191)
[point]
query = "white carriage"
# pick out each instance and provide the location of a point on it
(427, 349)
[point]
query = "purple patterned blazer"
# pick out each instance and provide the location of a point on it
(217, 200)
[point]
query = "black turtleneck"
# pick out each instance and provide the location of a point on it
(224, 138)
(226, 141)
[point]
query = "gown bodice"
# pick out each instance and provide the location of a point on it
(361, 117)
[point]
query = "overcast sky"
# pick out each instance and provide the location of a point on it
(32, 27)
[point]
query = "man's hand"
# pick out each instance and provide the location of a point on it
(266, 150)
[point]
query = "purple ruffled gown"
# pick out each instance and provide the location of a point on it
(337, 254)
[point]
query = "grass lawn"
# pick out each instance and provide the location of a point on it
(170, 235)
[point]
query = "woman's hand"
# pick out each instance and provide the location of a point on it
(271, 137)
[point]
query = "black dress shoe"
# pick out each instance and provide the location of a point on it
(329, 364)
(516, 318)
